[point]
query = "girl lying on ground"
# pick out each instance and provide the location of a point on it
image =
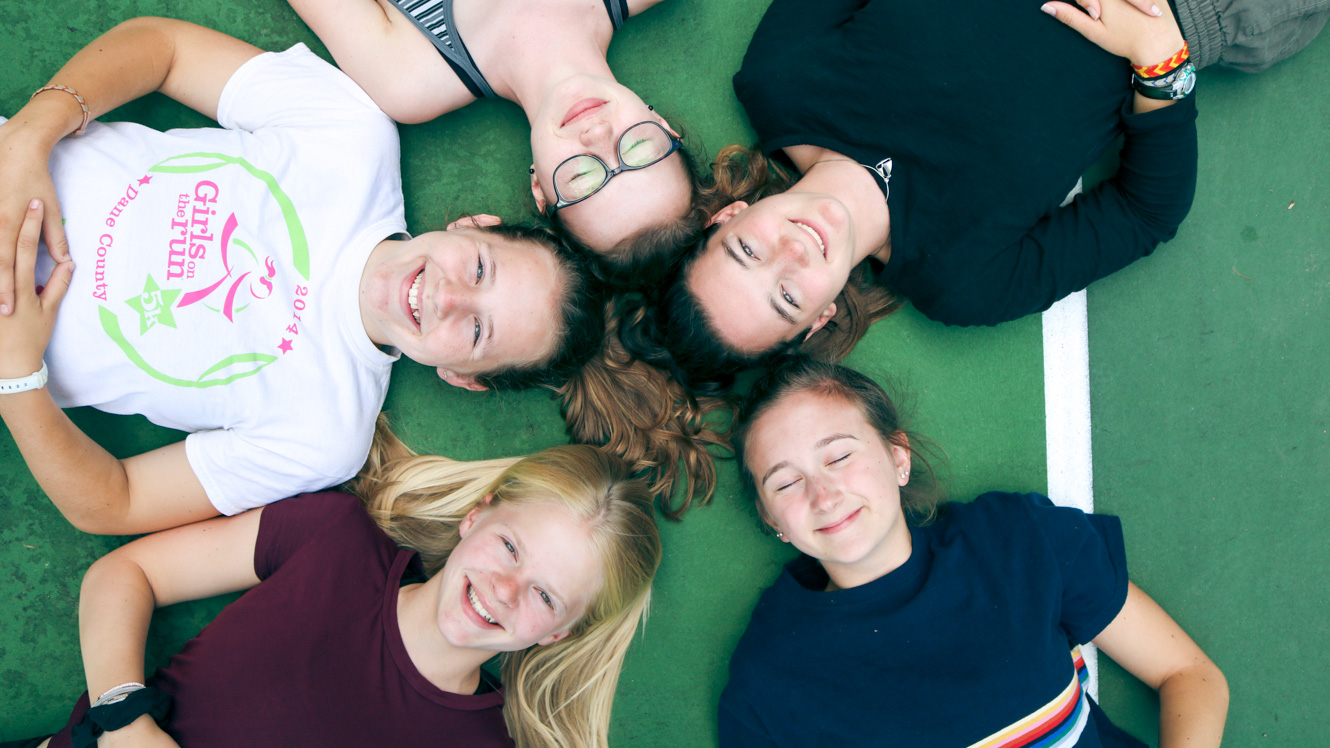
(251, 285)
(606, 167)
(891, 629)
(347, 639)
(933, 152)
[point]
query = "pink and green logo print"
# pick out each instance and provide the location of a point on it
(213, 263)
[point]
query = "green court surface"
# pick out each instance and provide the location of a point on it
(1208, 382)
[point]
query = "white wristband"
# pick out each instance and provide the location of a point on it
(23, 384)
(117, 694)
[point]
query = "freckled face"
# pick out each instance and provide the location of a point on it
(830, 483)
(465, 300)
(774, 268)
(520, 576)
(587, 114)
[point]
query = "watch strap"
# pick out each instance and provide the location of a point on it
(23, 384)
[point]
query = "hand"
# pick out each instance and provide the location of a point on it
(1148, 7)
(25, 333)
(141, 733)
(23, 176)
(1122, 29)
(478, 221)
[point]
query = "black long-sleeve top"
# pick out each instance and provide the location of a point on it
(984, 114)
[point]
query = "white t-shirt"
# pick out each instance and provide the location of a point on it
(217, 277)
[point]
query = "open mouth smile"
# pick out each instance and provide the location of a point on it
(413, 297)
(478, 607)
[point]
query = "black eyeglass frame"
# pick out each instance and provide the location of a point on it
(560, 202)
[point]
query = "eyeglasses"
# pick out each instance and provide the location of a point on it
(640, 146)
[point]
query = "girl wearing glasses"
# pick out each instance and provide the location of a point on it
(908, 624)
(932, 156)
(606, 168)
(224, 289)
(368, 625)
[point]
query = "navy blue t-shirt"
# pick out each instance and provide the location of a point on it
(971, 642)
(983, 114)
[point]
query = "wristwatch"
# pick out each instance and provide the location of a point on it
(1174, 86)
(23, 384)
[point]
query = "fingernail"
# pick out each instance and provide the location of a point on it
(1049, 10)
(1154, 9)
(1094, 13)
(4, 309)
(35, 204)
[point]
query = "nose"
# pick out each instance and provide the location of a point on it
(825, 497)
(596, 136)
(506, 589)
(449, 297)
(793, 248)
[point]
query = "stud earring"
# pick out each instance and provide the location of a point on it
(650, 108)
(780, 535)
(532, 170)
(904, 476)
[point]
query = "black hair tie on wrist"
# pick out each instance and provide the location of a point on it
(109, 717)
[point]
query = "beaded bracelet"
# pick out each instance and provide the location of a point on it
(82, 104)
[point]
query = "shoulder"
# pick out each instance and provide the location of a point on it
(331, 519)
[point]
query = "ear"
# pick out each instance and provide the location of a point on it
(458, 380)
(469, 520)
(822, 319)
(556, 636)
(478, 221)
(537, 193)
(900, 455)
(728, 212)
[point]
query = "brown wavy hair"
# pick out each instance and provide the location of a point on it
(643, 415)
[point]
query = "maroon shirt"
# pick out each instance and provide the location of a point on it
(313, 656)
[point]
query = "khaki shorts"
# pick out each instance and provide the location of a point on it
(1249, 35)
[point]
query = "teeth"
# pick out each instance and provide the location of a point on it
(480, 609)
(413, 296)
(813, 234)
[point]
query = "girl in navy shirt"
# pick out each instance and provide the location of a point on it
(905, 624)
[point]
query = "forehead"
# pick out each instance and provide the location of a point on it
(630, 202)
(796, 422)
(524, 303)
(737, 300)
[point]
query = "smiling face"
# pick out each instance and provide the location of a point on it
(466, 301)
(521, 576)
(587, 114)
(774, 269)
(830, 484)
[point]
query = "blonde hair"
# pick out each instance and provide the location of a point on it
(558, 694)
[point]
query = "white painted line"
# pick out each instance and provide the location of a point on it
(1067, 419)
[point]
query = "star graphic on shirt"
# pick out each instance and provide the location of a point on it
(285, 346)
(144, 180)
(154, 306)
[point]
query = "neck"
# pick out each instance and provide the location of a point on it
(556, 45)
(453, 669)
(830, 173)
(380, 250)
(890, 556)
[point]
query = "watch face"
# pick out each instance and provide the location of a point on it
(1185, 82)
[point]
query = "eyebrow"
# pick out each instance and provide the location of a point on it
(521, 549)
(734, 256)
(820, 444)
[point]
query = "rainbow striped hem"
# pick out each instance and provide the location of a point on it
(1057, 724)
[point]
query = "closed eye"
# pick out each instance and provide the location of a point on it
(840, 459)
(784, 486)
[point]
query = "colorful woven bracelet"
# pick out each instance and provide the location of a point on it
(1161, 69)
(82, 104)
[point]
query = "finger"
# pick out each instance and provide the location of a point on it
(1148, 7)
(1082, 23)
(8, 243)
(53, 228)
(1091, 8)
(57, 285)
(25, 259)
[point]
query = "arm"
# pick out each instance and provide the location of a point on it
(95, 491)
(383, 51)
(1193, 695)
(121, 590)
(189, 63)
